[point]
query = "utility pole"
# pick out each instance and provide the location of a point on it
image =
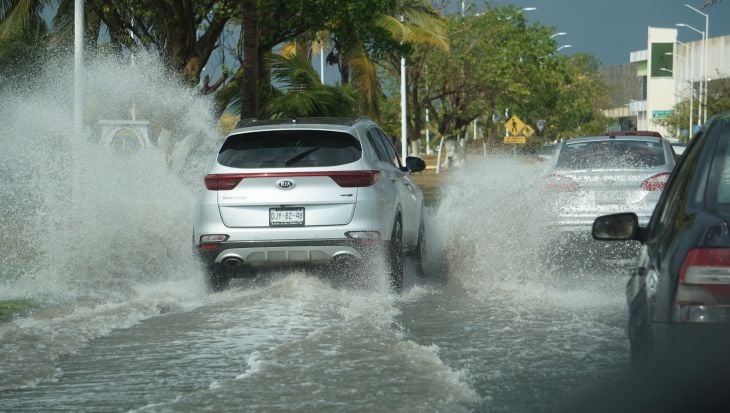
(403, 108)
(78, 64)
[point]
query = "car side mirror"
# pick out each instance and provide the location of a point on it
(616, 227)
(414, 164)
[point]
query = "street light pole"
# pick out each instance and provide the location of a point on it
(565, 46)
(554, 35)
(705, 39)
(403, 108)
(78, 63)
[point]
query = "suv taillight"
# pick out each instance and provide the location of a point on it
(559, 183)
(355, 178)
(656, 182)
(703, 288)
(222, 182)
(345, 179)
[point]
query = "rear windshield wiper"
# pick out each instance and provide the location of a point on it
(298, 157)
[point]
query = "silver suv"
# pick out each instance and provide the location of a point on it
(308, 191)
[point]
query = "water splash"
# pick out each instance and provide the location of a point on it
(128, 222)
(493, 222)
(115, 248)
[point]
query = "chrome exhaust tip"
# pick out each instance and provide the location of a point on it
(232, 262)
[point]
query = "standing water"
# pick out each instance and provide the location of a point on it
(121, 321)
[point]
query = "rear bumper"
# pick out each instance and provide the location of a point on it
(692, 339)
(266, 253)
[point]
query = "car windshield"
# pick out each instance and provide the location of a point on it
(289, 148)
(611, 154)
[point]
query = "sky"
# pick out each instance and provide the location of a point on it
(612, 29)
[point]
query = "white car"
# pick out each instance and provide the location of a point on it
(678, 147)
(308, 191)
(593, 176)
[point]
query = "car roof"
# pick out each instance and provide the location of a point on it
(645, 138)
(634, 133)
(332, 121)
(324, 123)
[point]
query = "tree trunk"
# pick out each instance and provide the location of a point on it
(416, 112)
(251, 64)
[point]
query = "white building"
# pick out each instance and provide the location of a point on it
(671, 71)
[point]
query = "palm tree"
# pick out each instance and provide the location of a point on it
(300, 93)
(409, 22)
(303, 95)
(18, 15)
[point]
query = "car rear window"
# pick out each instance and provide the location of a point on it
(611, 154)
(289, 149)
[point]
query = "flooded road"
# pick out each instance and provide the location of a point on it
(122, 321)
(299, 345)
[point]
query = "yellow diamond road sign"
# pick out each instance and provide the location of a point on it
(517, 131)
(528, 131)
(514, 126)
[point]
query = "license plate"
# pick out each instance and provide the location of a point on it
(286, 217)
(610, 198)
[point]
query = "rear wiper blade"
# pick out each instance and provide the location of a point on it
(298, 157)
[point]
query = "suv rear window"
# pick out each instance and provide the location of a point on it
(611, 154)
(289, 149)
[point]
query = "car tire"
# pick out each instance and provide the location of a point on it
(421, 247)
(641, 348)
(217, 278)
(395, 257)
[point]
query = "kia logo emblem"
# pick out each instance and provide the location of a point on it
(285, 183)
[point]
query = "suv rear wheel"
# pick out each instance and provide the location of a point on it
(217, 277)
(421, 247)
(395, 257)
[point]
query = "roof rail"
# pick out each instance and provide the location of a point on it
(347, 121)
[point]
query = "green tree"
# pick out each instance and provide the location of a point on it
(718, 96)
(498, 61)
(23, 40)
(300, 93)
(184, 32)
(18, 16)
(494, 57)
(718, 101)
(581, 97)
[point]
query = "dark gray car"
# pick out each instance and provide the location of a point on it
(679, 291)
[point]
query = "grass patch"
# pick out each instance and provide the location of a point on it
(11, 308)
